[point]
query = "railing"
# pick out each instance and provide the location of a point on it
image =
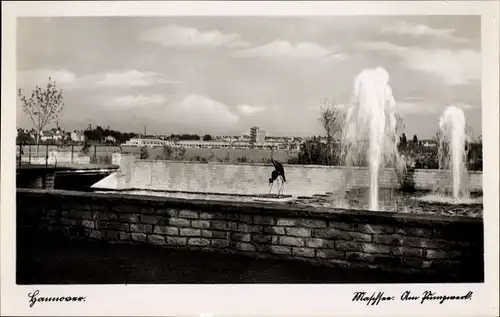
(40, 154)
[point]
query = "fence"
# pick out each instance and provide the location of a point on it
(44, 154)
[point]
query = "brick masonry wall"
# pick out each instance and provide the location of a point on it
(253, 178)
(346, 238)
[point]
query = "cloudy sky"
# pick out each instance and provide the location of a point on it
(223, 75)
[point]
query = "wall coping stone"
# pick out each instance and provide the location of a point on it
(340, 167)
(284, 210)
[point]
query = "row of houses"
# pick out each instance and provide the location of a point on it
(56, 135)
(213, 144)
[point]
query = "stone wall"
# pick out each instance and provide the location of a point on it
(346, 238)
(302, 180)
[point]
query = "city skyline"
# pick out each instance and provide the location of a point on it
(223, 75)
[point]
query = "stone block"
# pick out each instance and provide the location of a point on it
(166, 230)
(129, 218)
(274, 230)
(179, 222)
(198, 242)
(245, 218)
(89, 224)
(347, 246)
(358, 236)
(189, 214)
(303, 252)
(298, 242)
(244, 246)
(109, 225)
(263, 220)
(376, 248)
(124, 236)
(112, 235)
(375, 229)
(359, 256)
(392, 239)
(245, 237)
(340, 263)
(320, 243)
(313, 223)
(234, 217)
(219, 243)
(214, 234)
(437, 254)
(125, 227)
(219, 224)
(242, 227)
(298, 232)
(330, 254)
(212, 215)
(340, 225)
(175, 241)
(202, 224)
(287, 222)
(276, 249)
(95, 234)
(332, 233)
(142, 228)
(167, 212)
(67, 222)
(147, 210)
(139, 237)
(107, 216)
(189, 232)
(412, 262)
(408, 252)
(263, 239)
(150, 219)
(156, 239)
(233, 226)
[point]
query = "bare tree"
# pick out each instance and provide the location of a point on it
(331, 119)
(400, 124)
(43, 106)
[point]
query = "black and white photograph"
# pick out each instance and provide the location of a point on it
(252, 149)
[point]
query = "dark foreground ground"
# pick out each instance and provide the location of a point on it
(42, 261)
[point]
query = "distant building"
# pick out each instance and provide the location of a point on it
(77, 136)
(257, 135)
(110, 139)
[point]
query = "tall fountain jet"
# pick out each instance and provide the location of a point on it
(452, 152)
(369, 133)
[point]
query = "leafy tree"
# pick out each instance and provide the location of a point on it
(403, 142)
(331, 119)
(415, 139)
(207, 137)
(400, 124)
(23, 138)
(43, 106)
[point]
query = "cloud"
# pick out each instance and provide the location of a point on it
(136, 101)
(180, 36)
(454, 67)
(426, 107)
(281, 48)
(421, 30)
(132, 78)
(29, 79)
(247, 110)
(202, 113)
(70, 81)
